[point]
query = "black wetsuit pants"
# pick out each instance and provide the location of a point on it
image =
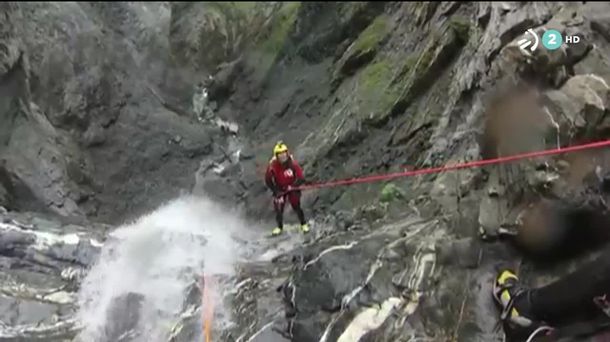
(572, 298)
(294, 197)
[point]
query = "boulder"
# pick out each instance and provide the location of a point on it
(580, 107)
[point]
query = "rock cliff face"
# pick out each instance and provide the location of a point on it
(78, 89)
(96, 126)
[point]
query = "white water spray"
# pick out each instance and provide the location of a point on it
(150, 263)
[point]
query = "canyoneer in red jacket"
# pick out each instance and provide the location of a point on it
(284, 173)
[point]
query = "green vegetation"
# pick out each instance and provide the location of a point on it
(412, 71)
(380, 87)
(363, 49)
(280, 28)
(376, 93)
(389, 85)
(390, 193)
(376, 75)
(371, 36)
(268, 43)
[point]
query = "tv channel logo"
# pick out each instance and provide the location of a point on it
(551, 40)
(526, 43)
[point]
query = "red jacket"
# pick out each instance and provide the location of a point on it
(278, 177)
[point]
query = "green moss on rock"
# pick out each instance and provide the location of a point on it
(371, 36)
(376, 93)
(363, 49)
(268, 46)
(390, 193)
(441, 48)
(280, 28)
(381, 87)
(375, 75)
(379, 81)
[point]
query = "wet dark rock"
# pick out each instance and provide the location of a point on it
(316, 35)
(4, 196)
(81, 253)
(125, 317)
(371, 213)
(603, 28)
(197, 148)
(465, 252)
(222, 31)
(94, 136)
(580, 105)
(98, 109)
(54, 249)
(246, 153)
(11, 239)
(222, 85)
(39, 261)
(344, 220)
(20, 312)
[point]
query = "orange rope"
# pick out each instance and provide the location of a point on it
(207, 307)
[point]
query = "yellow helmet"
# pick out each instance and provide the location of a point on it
(279, 148)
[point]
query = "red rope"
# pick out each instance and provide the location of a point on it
(468, 165)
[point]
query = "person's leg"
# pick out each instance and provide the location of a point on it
(278, 205)
(295, 202)
(572, 297)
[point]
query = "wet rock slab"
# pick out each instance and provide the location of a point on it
(19, 311)
(41, 263)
